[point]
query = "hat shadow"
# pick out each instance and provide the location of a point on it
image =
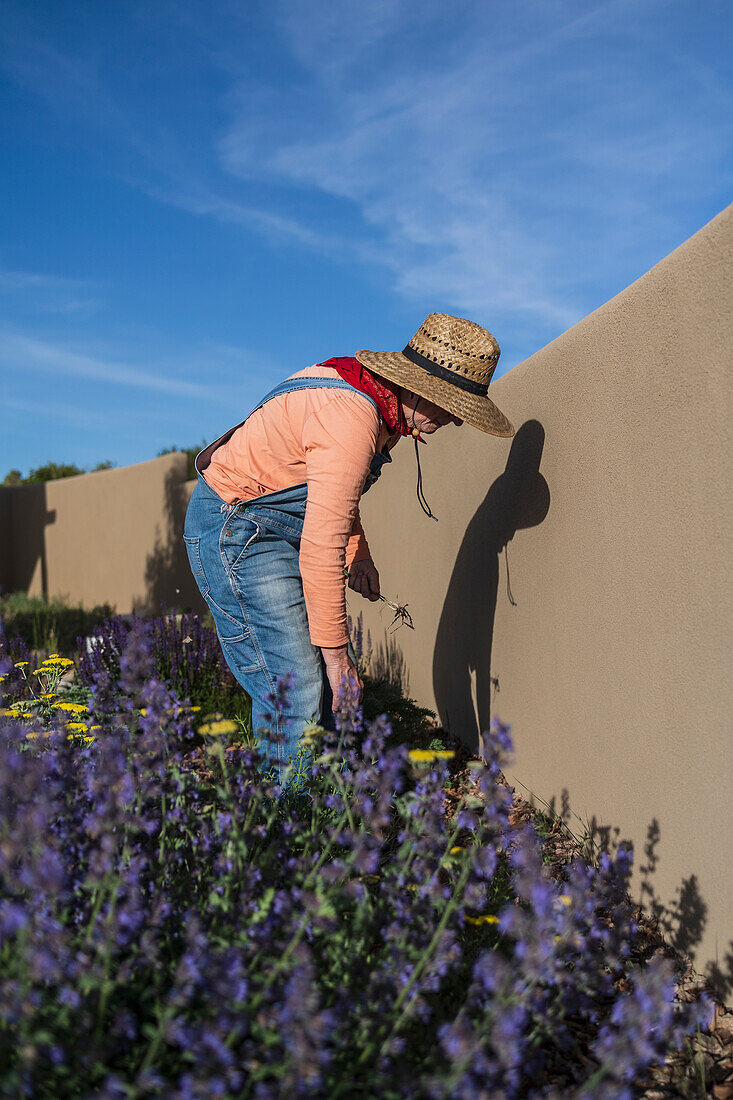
(518, 499)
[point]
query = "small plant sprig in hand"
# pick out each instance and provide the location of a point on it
(400, 610)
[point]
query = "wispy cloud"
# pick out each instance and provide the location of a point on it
(503, 161)
(29, 355)
(86, 419)
(470, 165)
(489, 158)
(49, 293)
(271, 224)
(230, 371)
(27, 280)
(71, 83)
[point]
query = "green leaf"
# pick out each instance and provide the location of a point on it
(264, 907)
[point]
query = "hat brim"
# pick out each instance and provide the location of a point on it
(479, 411)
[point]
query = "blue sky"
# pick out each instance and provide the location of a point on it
(200, 198)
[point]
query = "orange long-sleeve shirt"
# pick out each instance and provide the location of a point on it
(327, 438)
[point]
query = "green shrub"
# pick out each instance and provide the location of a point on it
(51, 625)
(410, 723)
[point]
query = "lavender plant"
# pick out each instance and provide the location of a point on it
(174, 933)
(186, 653)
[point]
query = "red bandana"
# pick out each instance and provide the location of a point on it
(384, 392)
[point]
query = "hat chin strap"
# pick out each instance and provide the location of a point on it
(420, 495)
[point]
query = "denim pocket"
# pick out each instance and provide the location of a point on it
(237, 535)
(228, 626)
(193, 549)
(242, 657)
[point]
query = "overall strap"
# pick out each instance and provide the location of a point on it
(204, 457)
(315, 384)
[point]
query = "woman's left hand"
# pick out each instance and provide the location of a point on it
(364, 578)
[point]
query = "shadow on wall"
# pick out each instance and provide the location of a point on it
(26, 517)
(168, 578)
(388, 663)
(681, 921)
(519, 498)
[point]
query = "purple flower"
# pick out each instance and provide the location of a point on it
(174, 913)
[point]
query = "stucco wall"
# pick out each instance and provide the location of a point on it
(611, 659)
(108, 537)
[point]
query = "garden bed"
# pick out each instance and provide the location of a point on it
(398, 924)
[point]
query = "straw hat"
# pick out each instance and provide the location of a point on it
(449, 361)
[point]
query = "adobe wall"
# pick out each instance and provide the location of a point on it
(606, 645)
(107, 537)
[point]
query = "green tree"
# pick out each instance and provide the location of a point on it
(189, 452)
(52, 471)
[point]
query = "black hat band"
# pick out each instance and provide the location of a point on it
(442, 372)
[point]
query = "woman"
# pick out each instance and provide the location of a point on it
(274, 515)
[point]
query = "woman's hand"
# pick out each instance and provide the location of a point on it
(339, 664)
(364, 578)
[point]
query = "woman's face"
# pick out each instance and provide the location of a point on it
(423, 414)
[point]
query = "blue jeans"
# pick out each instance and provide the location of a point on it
(244, 558)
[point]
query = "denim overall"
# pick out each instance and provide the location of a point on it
(245, 559)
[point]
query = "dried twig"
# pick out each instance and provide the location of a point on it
(400, 611)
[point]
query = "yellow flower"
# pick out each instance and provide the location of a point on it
(565, 899)
(31, 734)
(51, 656)
(486, 918)
(20, 664)
(143, 710)
(95, 728)
(218, 728)
(18, 710)
(427, 756)
(312, 730)
(72, 708)
(455, 851)
(89, 739)
(49, 695)
(194, 709)
(7, 712)
(77, 727)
